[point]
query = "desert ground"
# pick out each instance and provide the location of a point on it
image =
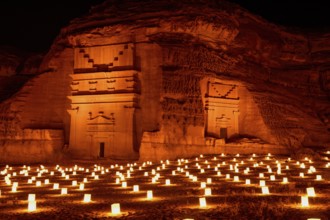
(177, 186)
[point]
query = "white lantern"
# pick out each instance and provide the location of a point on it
(115, 209)
(136, 188)
(87, 197)
(285, 180)
(265, 190)
(64, 191)
(167, 182)
(247, 181)
(56, 186)
(304, 201)
(202, 202)
(318, 177)
(207, 192)
(236, 178)
(81, 186)
(262, 183)
(149, 194)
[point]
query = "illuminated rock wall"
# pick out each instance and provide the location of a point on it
(176, 78)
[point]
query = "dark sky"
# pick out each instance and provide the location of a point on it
(33, 25)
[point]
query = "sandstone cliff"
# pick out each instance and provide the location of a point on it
(189, 55)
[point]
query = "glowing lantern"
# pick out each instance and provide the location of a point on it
(149, 194)
(167, 182)
(310, 191)
(124, 184)
(64, 191)
(236, 178)
(96, 177)
(272, 177)
(136, 188)
(14, 189)
(247, 181)
(227, 176)
(32, 206)
(173, 172)
(218, 173)
(207, 192)
(115, 208)
(85, 180)
(318, 177)
(74, 183)
(194, 179)
(81, 186)
(261, 175)
(262, 183)
(265, 190)
(304, 201)
(145, 173)
(56, 186)
(87, 197)
(203, 184)
(67, 177)
(301, 174)
(38, 183)
(202, 202)
(46, 181)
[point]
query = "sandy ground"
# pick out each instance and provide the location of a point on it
(230, 199)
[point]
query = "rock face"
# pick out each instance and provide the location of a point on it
(164, 79)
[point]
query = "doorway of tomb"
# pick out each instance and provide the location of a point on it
(101, 153)
(223, 133)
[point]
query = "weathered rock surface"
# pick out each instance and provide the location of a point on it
(191, 75)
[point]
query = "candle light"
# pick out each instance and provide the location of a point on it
(236, 178)
(149, 194)
(167, 182)
(115, 208)
(247, 181)
(135, 188)
(304, 201)
(209, 180)
(81, 186)
(64, 191)
(318, 177)
(265, 190)
(56, 186)
(285, 180)
(87, 198)
(203, 184)
(202, 202)
(124, 184)
(262, 183)
(207, 192)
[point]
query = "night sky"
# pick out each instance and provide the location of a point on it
(32, 25)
